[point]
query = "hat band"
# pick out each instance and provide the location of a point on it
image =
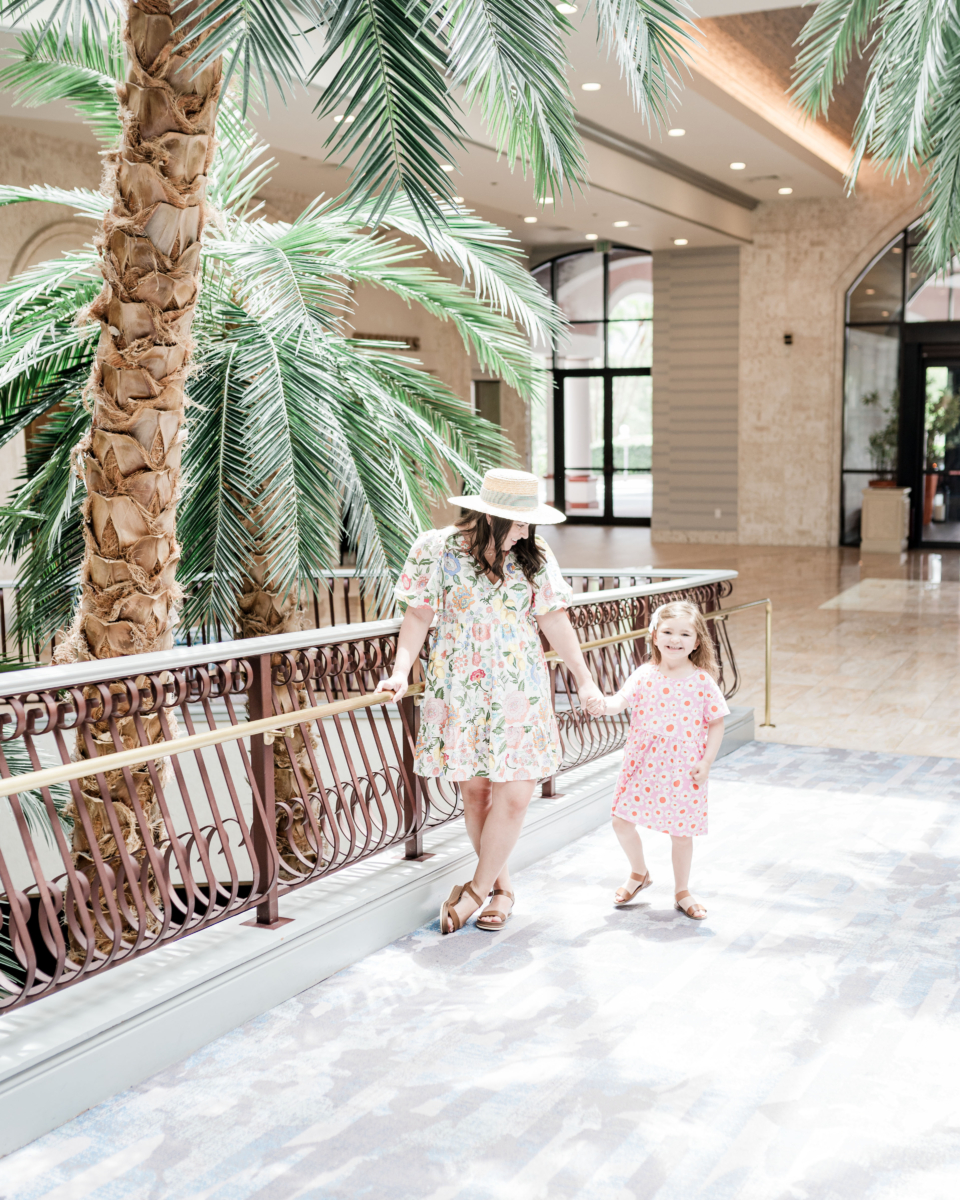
(508, 499)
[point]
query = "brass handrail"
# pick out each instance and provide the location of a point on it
(138, 755)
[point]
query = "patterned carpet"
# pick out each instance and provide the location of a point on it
(802, 1044)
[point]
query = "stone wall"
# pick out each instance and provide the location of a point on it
(793, 280)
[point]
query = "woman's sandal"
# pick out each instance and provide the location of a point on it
(486, 918)
(447, 909)
(622, 896)
(689, 909)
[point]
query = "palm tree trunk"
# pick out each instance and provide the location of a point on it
(149, 257)
(266, 610)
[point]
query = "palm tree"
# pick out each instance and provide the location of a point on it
(910, 115)
(266, 326)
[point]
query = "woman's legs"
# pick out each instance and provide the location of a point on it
(493, 813)
(628, 835)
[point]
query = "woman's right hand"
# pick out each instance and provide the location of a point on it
(396, 684)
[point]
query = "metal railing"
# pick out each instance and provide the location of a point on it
(151, 837)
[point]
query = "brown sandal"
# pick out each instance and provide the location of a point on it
(643, 881)
(689, 908)
(484, 920)
(447, 909)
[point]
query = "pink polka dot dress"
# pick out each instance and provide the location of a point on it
(668, 736)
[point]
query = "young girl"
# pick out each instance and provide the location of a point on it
(676, 726)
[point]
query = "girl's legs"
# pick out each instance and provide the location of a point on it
(628, 835)
(682, 860)
(494, 814)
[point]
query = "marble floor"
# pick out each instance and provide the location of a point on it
(866, 648)
(801, 1044)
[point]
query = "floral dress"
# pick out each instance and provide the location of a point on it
(668, 736)
(486, 709)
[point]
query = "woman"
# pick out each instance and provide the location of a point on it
(486, 719)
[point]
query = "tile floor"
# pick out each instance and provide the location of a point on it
(866, 649)
(801, 1044)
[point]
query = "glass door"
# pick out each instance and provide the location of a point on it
(585, 483)
(940, 488)
(632, 422)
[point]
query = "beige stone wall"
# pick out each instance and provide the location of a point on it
(793, 279)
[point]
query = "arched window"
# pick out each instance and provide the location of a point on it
(901, 405)
(592, 432)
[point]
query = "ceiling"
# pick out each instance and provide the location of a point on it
(732, 106)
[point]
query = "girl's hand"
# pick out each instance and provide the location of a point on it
(592, 699)
(700, 771)
(396, 684)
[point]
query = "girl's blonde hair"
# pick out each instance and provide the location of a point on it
(705, 655)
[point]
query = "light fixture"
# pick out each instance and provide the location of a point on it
(620, 224)
(567, 9)
(340, 117)
(896, 249)
(529, 220)
(545, 200)
(885, 313)
(458, 199)
(589, 87)
(738, 166)
(591, 237)
(871, 291)
(676, 132)
(679, 241)
(448, 167)
(785, 191)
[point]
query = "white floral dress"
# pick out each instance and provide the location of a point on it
(486, 709)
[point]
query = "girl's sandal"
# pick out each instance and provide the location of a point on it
(449, 912)
(692, 908)
(492, 918)
(622, 896)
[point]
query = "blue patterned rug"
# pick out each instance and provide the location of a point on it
(802, 1044)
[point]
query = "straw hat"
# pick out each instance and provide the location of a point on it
(514, 495)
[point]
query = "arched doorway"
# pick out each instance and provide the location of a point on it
(901, 410)
(592, 439)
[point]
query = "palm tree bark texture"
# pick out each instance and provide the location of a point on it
(149, 256)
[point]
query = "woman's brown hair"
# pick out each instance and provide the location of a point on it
(478, 528)
(705, 655)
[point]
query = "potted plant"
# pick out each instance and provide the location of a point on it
(883, 443)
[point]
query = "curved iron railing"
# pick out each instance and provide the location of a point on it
(285, 771)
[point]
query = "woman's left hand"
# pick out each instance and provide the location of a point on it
(591, 698)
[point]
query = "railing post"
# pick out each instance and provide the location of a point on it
(412, 787)
(768, 668)
(264, 828)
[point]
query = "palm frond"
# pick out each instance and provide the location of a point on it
(650, 39)
(47, 67)
(239, 169)
(491, 262)
(836, 32)
(68, 17)
(398, 125)
(35, 811)
(83, 201)
(508, 55)
(259, 40)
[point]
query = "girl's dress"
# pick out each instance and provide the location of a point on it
(486, 709)
(668, 736)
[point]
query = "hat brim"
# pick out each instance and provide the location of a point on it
(543, 514)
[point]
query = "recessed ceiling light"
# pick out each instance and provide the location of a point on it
(529, 220)
(589, 87)
(738, 166)
(871, 291)
(679, 241)
(447, 167)
(567, 9)
(620, 224)
(458, 199)
(340, 117)
(544, 199)
(785, 191)
(676, 132)
(591, 237)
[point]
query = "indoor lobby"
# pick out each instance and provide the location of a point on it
(736, 378)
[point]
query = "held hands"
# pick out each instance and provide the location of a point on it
(396, 684)
(592, 699)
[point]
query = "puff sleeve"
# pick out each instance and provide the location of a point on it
(550, 589)
(421, 581)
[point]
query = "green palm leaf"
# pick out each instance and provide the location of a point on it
(650, 39)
